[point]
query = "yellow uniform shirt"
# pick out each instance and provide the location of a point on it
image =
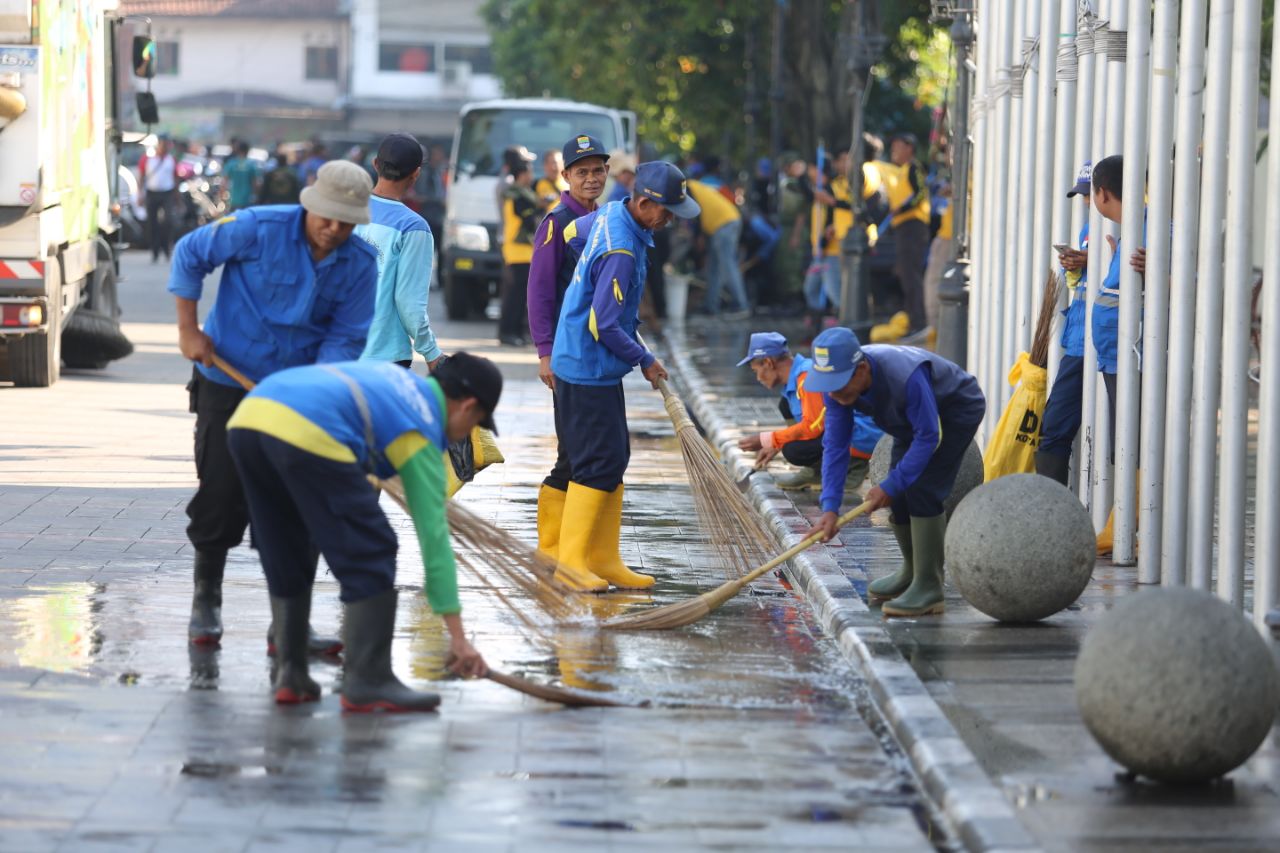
(717, 211)
(901, 192)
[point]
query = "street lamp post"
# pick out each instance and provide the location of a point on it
(953, 290)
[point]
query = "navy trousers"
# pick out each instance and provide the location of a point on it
(924, 497)
(1062, 415)
(297, 498)
(593, 432)
(562, 471)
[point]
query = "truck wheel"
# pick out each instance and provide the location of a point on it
(35, 359)
(457, 298)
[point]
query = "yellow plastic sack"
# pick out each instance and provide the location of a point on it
(484, 452)
(1012, 449)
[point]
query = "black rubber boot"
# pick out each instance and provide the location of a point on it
(205, 627)
(291, 682)
(318, 645)
(368, 684)
(1053, 466)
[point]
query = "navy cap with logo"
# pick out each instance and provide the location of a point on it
(765, 345)
(1084, 180)
(399, 155)
(663, 183)
(581, 147)
(836, 354)
(472, 376)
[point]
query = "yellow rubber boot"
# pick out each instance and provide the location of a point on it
(606, 561)
(1106, 537)
(583, 507)
(550, 518)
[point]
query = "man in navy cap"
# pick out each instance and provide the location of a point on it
(932, 408)
(800, 442)
(586, 167)
(595, 347)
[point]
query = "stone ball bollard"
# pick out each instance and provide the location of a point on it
(968, 478)
(1176, 685)
(1020, 548)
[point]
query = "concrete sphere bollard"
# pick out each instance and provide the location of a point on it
(1020, 548)
(968, 478)
(1176, 685)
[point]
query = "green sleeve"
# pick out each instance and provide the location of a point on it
(423, 477)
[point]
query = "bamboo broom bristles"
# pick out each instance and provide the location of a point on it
(1044, 323)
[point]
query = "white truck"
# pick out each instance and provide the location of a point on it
(471, 256)
(58, 152)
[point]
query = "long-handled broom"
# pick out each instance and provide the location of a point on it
(735, 530)
(687, 612)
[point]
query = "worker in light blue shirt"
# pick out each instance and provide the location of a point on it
(406, 251)
(295, 290)
(932, 408)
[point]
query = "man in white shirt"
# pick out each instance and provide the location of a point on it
(160, 188)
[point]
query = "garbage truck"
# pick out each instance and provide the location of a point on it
(59, 145)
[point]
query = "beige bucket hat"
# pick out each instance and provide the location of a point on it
(341, 192)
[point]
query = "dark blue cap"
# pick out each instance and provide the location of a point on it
(836, 353)
(661, 182)
(1083, 180)
(398, 156)
(765, 345)
(582, 146)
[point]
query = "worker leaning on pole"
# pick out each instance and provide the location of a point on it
(586, 168)
(932, 408)
(595, 347)
(304, 442)
(295, 289)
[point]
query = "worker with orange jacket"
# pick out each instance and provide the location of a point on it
(800, 443)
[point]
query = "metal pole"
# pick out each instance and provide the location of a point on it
(990, 151)
(1155, 311)
(953, 289)
(1082, 150)
(1128, 380)
(1203, 448)
(1182, 294)
(1266, 557)
(1000, 217)
(1024, 279)
(863, 49)
(1008, 281)
(1237, 297)
(777, 89)
(1062, 167)
(974, 206)
(1090, 473)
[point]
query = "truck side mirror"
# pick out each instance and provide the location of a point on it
(147, 112)
(144, 57)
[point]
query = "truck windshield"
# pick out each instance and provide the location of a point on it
(486, 133)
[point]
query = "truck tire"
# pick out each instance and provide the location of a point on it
(92, 339)
(35, 360)
(457, 296)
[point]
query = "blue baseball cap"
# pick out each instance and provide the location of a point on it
(836, 353)
(582, 146)
(765, 345)
(1084, 180)
(661, 182)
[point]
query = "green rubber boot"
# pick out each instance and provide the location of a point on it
(894, 585)
(924, 596)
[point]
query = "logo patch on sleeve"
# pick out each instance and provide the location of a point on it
(617, 291)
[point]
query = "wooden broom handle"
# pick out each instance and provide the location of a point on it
(675, 408)
(804, 544)
(222, 364)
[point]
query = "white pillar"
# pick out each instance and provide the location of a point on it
(1155, 311)
(1266, 560)
(1203, 448)
(1014, 200)
(1128, 381)
(1082, 150)
(1062, 167)
(1097, 270)
(999, 220)
(1237, 300)
(1182, 294)
(974, 204)
(1029, 189)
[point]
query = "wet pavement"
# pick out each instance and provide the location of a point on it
(1008, 689)
(117, 736)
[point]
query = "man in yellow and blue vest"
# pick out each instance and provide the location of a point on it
(909, 219)
(595, 347)
(304, 441)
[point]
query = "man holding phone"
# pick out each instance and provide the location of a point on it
(1063, 411)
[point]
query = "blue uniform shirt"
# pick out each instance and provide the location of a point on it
(276, 307)
(1106, 312)
(595, 340)
(406, 251)
(865, 434)
(1073, 329)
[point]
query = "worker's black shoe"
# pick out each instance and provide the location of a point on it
(1053, 466)
(318, 645)
(291, 618)
(205, 627)
(368, 684)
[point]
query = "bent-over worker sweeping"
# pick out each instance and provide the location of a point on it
(595, 347)
(304, 441)
(932, 408)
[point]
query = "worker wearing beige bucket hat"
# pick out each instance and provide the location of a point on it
(296, 289)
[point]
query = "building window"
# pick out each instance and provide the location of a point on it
(322, 63)
(411, 58)
(167, 57)
(476, 54)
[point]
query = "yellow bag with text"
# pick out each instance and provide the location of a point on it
(1012, 449)
(466, 458)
